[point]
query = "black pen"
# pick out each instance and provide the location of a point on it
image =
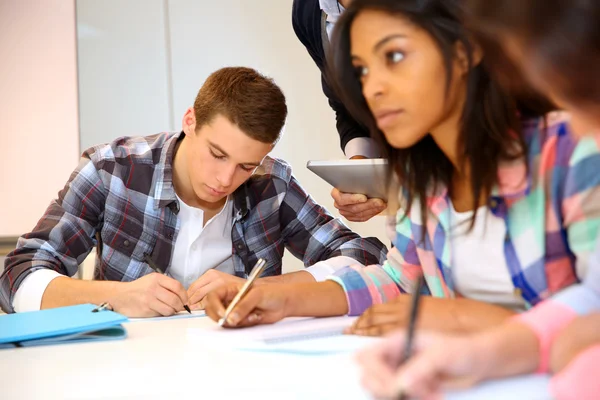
(155, 268)
(410, 334)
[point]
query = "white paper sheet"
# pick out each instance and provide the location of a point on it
(179, 315)
(309, 336)
(330, 345)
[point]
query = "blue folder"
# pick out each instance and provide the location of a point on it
(60, 325)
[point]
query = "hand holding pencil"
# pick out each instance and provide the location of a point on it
(240, 305)
(155, 268)
(405, 365)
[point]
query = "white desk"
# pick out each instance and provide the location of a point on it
(159, 360)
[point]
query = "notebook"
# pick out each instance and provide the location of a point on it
(60, 325)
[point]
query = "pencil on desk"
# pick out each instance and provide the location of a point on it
(410, 333)
(155, 268)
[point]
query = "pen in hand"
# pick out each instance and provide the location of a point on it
(155, 268)
(414, 312)
(254, 274)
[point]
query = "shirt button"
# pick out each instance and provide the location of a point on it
(493, 203)
(194, 247)
(240, 246)
(518, 292)
(126, 243)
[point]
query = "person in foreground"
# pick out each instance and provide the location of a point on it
(313, 22)
(497, 210)
(199, 206)
(560, 335)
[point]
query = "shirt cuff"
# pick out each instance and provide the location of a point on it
(362, 146)
(321, 270)
(546, 320)
(30, 292)
(358, 294)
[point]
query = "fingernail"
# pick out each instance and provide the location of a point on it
(233, 319)
(221, 313)
(400, 393)
(400, 388)
(254, 318)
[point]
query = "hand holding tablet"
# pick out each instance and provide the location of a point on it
(360, 190)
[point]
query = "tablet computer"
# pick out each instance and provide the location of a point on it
(366, 177)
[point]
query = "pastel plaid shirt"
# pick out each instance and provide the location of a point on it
(121, 198)
(552, 215)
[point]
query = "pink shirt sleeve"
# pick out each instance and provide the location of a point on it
(546, 320)
(579, 380)
(550, 317)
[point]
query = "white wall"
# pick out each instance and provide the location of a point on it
(38, 108)
(123, 69)
(126, 71)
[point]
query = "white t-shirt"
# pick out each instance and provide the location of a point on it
(200, 248)
(479, 268)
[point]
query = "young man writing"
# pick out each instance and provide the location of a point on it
(203, 204)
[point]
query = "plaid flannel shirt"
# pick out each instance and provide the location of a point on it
(121, 199)
(552, 215)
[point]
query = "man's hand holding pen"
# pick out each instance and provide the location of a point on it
(149, 296)
(209, 281)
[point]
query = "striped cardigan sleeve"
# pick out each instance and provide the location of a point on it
(376, 284)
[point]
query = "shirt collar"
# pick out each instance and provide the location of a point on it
(224, 216)
(332, 8)
(514, 182)
(162, 180)
(515, 179)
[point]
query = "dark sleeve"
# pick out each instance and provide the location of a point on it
(306, 21)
